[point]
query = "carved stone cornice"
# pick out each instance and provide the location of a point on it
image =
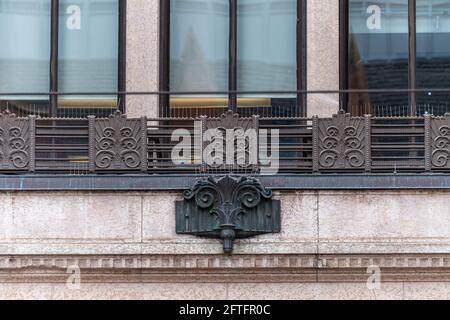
(221, 268)
(279, 261)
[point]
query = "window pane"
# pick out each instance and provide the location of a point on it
(378, 55)
(267, 54)
(24, 54)
(199, 52)
(433, 54)
(88, 52)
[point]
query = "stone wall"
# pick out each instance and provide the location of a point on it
(322, 222)
(328, 242)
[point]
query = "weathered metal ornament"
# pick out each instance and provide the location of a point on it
(228, 208)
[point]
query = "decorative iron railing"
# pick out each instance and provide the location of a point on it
(339, 144)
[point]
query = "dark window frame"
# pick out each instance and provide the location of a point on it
(54, 47)
(344, 29)
(164, 56)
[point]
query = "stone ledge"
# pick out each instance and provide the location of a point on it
(155, 183)
(225, 269)
(226, 262)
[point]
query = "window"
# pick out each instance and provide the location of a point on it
(246, 55)
(403, 44)
(64, 46)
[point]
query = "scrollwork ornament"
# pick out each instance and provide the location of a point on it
(328, 158)
(343, 142)
(104, 159)
(440, 137)
(15, 142)
(227, 198)
(19, 158)
(131, 158)
(118, 143)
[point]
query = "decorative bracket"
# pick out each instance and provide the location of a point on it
(245, 133)
(342, 143)
(117, 143)
(228, 208)
(437, 142)
(17, 139)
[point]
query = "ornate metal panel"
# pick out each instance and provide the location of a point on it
(228, 208)
(118, 143)
(341, 143)
(16, 143)
(242, 130)
(438, 138)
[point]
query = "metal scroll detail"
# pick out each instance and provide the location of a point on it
(228, 208)
(440, 142)
(343, 143)
(118, 143)
(16, 142)
(245, 138)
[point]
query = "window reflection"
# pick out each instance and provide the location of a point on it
(433, 54)
(378, 56)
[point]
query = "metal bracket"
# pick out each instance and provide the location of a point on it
(228, 208)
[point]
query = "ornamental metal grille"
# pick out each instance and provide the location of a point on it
(17, 143)
(334, 145)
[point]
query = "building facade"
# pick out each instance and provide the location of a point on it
(106, 187)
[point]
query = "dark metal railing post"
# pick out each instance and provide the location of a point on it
(91, 121)
(32, 125)
(144, 144)
(427, 143)
(315, 138)
(368, 142)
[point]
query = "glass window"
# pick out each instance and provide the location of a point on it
(433, 54)
(24, 54)
(88, 52)
(199, 55)
(202, 57)
(88, 56)
(378, 56)
(267, 54)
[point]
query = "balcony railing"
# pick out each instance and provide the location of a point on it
(70, 141)
(119, 145)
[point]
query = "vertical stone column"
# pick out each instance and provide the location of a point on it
(323, 56)
(142, 57)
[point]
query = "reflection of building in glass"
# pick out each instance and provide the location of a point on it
(382, 58)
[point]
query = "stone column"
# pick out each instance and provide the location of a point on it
(323, 56)
(142, 56)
